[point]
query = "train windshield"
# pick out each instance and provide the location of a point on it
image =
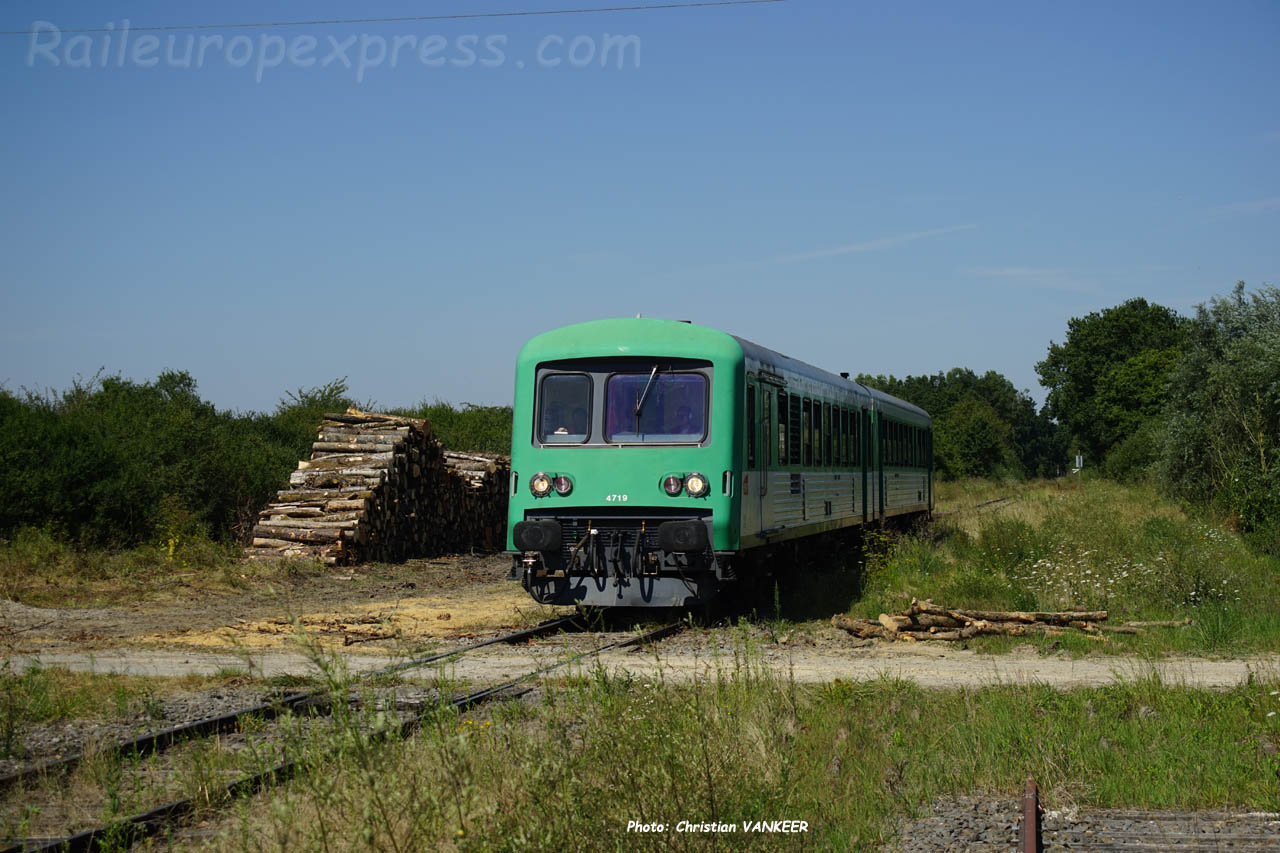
(673, 409)
(566, 407)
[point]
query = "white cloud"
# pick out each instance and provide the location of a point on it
(1041, 278)
(1017, 272)
(1247, 208)
(869, 246)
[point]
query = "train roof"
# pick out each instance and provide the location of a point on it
(612, 337)
(792, 365)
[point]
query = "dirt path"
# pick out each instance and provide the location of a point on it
(369, 619)
(927, 666)
(411, 603)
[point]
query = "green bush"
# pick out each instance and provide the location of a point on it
(478, 429)
(110, 462)
(1134, 457)
(115, 463)
(1223, 413)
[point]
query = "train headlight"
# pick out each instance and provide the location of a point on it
(540, 485)
(697, 485)
(673, 485)
(563, 485)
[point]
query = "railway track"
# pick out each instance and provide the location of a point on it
(1130, 831)
(978, 507)
(154, 821)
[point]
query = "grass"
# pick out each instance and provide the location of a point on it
(41, 570)
(39, 695)
(571, 769)
(1102, 546)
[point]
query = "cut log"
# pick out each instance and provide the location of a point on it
(895, 624)
(295, 534)
(924, 620)
(379, 487)
(1057, 618)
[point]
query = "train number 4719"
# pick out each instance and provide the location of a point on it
(617, 498)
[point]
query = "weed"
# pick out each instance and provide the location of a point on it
(1103, 546)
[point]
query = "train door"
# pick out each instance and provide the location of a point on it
(764, 454)
(882, 448)
(751, 521)
(864, 456)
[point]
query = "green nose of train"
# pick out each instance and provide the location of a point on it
(641, 447)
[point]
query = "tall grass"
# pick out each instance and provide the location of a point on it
(1102, 546)
(572, 768)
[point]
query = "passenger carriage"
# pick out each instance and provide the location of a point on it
(651, 457)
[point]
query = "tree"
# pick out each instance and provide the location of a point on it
(1034, 440)
(974, 441)
(1223, 417)
(1109, 376)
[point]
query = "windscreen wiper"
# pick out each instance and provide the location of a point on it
(644, 395)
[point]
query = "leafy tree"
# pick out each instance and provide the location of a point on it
(972, 440)
(1108, 377)
(1035, 441)
(1223, 417)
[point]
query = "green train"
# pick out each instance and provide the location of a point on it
(652, 460)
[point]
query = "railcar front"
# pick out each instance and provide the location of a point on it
(623, 488)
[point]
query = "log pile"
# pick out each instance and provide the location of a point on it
(484, 480)
(924, 620)
(380, 487)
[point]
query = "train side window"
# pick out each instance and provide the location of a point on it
(856, 422)
(855, 429)
(753, 424)
(844, 437)
(850, 427)
(816, 423)
(845, 456)
(793, 438)
(815, 429)
(806, 432)
(783, 432)
(826, 433)
(837, 432)
(819, 433)
(822, 429)
(768, 429)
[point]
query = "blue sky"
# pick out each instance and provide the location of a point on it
(892, 188)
